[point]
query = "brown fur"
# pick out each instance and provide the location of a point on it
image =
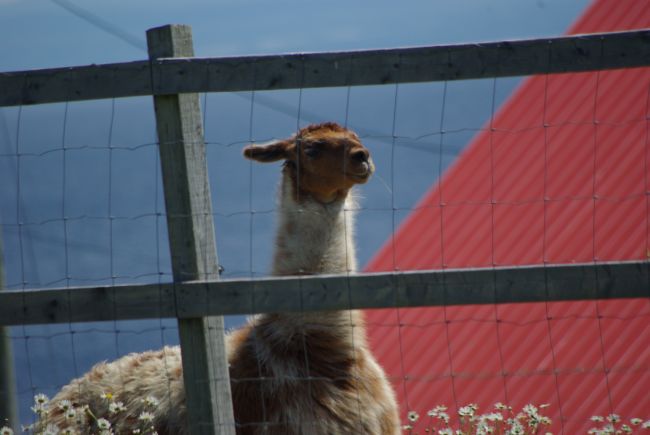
(334, 387)
(291, 374)
(320, 160)
(312, 373)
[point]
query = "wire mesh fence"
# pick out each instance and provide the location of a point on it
(558, 174)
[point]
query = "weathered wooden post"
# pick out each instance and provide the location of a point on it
(8, 407)
(191, 238)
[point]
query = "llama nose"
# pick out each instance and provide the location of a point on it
(360, 156)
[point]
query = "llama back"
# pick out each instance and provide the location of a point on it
(136, 391)
(285, 383)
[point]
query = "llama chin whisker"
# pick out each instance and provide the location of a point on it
(384, 183)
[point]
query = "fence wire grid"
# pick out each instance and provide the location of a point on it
(82, 205)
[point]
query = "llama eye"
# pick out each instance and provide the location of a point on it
(312, 152)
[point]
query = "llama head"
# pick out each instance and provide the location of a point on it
(324, 161)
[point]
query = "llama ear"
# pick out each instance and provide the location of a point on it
(269, 153)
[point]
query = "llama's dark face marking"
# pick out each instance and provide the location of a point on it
(324, 160)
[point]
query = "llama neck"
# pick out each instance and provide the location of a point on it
(313, 238)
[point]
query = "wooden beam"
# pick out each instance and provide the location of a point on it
(90, 82)
(549, 283)
(191, 239)
(162, 76)
(8, 396)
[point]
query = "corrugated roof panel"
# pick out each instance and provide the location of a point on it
(525, 234)
(525, 182)
(562, 177)
(611, 238)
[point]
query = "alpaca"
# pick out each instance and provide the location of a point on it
(312, 373)
(291, 373)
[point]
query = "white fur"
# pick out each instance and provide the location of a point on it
(318, 238)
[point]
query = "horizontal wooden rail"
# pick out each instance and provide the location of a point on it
(371, 67)
(327, 292)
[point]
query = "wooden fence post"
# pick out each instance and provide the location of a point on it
(191, 238)
(8, 397)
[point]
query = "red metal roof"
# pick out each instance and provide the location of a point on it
(561, 175)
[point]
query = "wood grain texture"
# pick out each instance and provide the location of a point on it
(164, 76)
(329, 292)
(8, 396)
(191, 239)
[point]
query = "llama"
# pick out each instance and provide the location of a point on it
(319, 376)
(291, 373)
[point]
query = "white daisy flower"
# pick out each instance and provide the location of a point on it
(70, 414)
(41, 399)
(413, 416)
(64, 405)
(493, 416)
(103, 424)
(437, 411)
(50, 429)
(40, 408)
(151, 401)
(115, 407)
(466, 411)
(145, 416)
(531, 411)
(516, 428)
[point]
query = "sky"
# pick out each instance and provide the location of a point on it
(95, 163)
(43, 33)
